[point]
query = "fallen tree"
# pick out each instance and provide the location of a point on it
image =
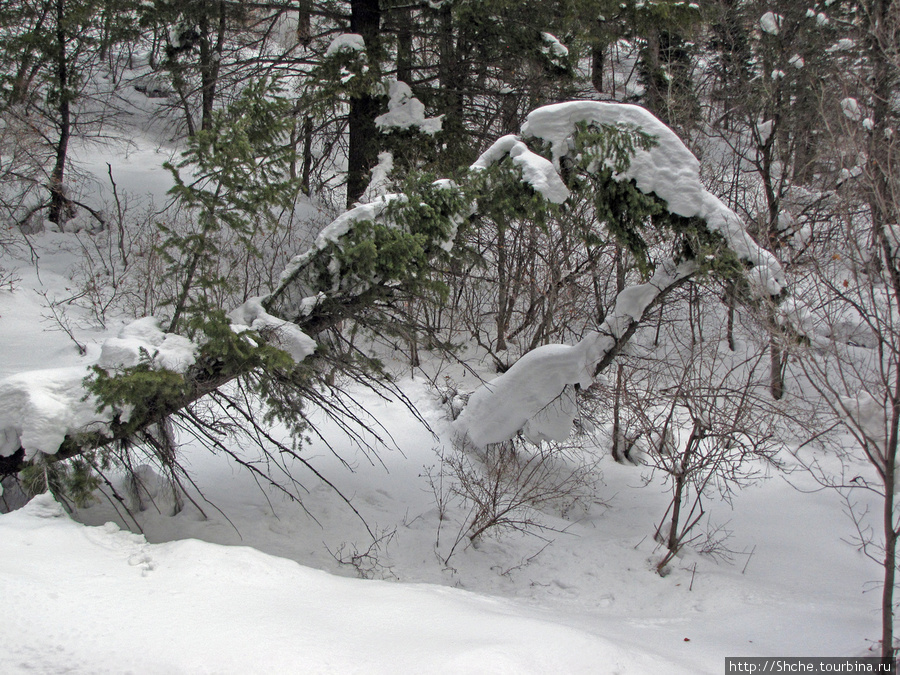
(643, 185)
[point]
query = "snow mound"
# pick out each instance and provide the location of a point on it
(39, 408)
(241, 611)
(143, 339)
(533, 392)
(282, 334)
(346, 42)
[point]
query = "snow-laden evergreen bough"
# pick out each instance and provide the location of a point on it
(639, 177)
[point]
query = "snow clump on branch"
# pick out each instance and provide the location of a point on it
(38, 409)
(405, 111)
(669, 170)
(346, 42)
(537, 171)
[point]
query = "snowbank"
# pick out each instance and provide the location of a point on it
(97, 599)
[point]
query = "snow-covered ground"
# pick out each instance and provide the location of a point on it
(257, 584)
(257, 587)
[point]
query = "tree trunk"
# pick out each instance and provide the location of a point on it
(304, 22)
(362, 152)
(598, 57)
(452, 65)
(404, 45)
(59, 206)
(210, 58)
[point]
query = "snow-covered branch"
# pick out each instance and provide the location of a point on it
(536, 395)
(389, 246)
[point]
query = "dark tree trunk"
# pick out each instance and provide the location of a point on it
(212, 40)
(598, 56)
(362, 153)
(59, 206)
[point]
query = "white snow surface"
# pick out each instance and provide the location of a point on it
(282, 334)
(102, 600)
(380, 181)
(868, 415)
(38, 408)
(191, 596)
(143, 339)
(405, 111)
(553, 47)
(527, 394)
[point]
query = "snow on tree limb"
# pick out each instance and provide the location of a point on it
(537, 171)
(668, 169)
(532, 395)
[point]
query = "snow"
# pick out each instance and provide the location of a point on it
(765, 131)
(142, 340)
(528, 395)
(104, 600)
(797, 61)
(844, 44)
(38, 408)
(280, 333)
(503, 406)
(255, 588)
(867, 414)
(405, 111)
(850, 108)
(537, 171)
(668, 170)
(553, 47)
(533, 394)
(346, 42)
(380, 180)
(192, 596)
(770, 23)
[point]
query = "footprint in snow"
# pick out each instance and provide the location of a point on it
(143, 560)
